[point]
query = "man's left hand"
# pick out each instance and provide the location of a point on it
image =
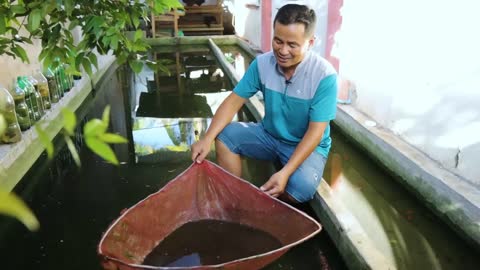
(275, 186)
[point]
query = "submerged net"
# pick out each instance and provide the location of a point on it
(202, 192)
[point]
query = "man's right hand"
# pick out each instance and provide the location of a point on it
(200, 150)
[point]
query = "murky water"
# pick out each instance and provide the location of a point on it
(398, 224)
(227, 241)
(161, 115)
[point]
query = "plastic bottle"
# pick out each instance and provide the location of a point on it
(64, 79)
(52, 85)
(30, 99)
(59, 83)
(21, 108)
(12, 133)
(43, 89)
(71, 82)
(34, 84)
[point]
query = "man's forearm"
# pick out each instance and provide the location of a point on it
(224, 115)
(307, 145)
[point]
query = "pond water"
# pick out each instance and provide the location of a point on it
(227, 241)
(161, 115)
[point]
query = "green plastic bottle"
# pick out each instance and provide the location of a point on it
(34, 83)
(12, 133)
(21, 107)
(59, 83)
(30, 98)
(42, 87)
(64, 79)
(52, 85)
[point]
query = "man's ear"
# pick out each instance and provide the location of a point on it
(311, 42)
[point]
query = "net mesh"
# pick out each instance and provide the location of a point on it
(203, 191)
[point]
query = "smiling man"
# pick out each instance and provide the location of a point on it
(300, 90)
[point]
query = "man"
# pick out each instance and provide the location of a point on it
(299, 89)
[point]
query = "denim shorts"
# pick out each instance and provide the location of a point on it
(251, 140)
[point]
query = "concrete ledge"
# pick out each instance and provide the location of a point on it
(253, 104)
(16, 159)
(453, 199)
(356, 248)
(190, 40)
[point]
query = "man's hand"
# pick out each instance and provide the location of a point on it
(201, 149)
(275, 186)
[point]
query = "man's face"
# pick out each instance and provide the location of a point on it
(290, 44)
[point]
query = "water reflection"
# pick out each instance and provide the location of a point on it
(173, 107)
(153, 135)
(399, 225)
(239, 59)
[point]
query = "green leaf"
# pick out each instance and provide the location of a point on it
(102, 149)
(13, 206)
(112, 138)
(138, 35)
(114, 42)
(94, 127)
(20, 52)
(79, 60)
(68, 4)
(87, 66)
(34, 19)
(106, 115)
(69, 121)
(135, 65)
(93, 59)
(3, 26)
(73, 150)
(135, 21)
(121, 59)
(18, 9)
(45, 140)
(47, 60)
(27, 40)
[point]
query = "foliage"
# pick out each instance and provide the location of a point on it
(103, 24)
(10, 204)
(13, 206)
(94, 132)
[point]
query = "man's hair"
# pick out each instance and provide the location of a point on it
(294, 13)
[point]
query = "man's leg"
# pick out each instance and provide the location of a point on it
(303, 183)
(242, 139)
(227, 159)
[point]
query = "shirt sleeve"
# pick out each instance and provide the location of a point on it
(324, 104)
(250, 82)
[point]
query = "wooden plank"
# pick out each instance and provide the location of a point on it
(191, 29)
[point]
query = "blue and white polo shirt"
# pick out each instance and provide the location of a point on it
(310, 95)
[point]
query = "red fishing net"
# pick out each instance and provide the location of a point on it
(202, 192)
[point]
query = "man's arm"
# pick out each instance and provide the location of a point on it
(224, 115)
(275, 186)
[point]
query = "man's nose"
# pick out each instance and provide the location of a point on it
(284, 50)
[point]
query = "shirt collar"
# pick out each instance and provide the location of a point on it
(298, 69)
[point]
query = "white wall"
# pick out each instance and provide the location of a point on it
(247, 21)
(416, 66)
(10, 68)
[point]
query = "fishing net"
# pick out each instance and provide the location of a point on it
(202, 192)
